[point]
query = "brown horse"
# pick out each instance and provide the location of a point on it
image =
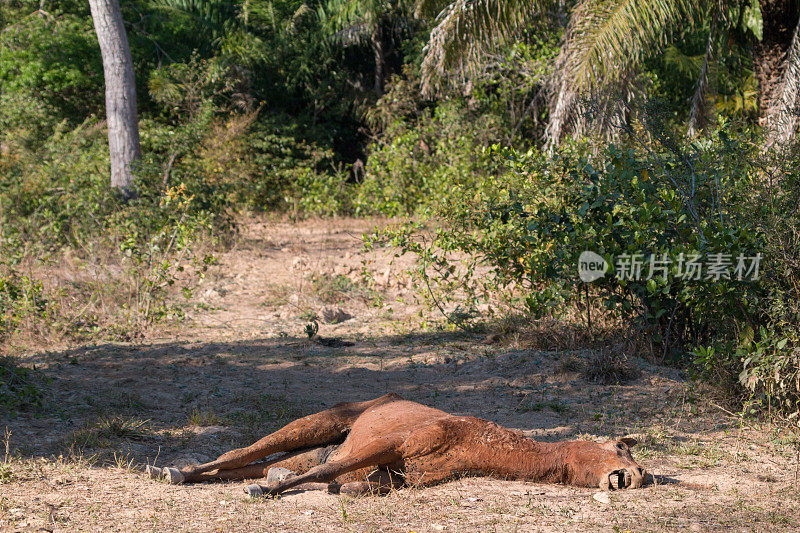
(387, 442)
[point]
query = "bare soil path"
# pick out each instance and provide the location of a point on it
(241, 366)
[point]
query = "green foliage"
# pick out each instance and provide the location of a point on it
(213, 15)
(56, 201)
(186, 89)
(423, 153)
(270, 105)
(311, 193)
(20, 387)
(520, 234)
(21, 298)
(53, 59)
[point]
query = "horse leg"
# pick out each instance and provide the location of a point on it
(379, 482)
(378, 452)
(319, 429)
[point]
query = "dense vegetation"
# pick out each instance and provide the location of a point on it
(523, 152)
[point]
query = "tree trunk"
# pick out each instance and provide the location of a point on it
(781, 121)
(380, 60)
(780, 19)
(700, 114)
(559, 114)
(121, 113)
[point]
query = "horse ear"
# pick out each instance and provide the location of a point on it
(629, 441)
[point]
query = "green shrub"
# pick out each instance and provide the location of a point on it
(422, 152)
(520, 234)
(54, 59)
(21, 299)
(56, 202)
(20, 387)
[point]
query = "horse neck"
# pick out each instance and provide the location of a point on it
(502, 452)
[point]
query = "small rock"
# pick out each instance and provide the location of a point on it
(602, 497)
(278, 474)
(386, 275)
(492, 338)
(335, 316)
(309, 512)
(470, 502)
(203, 431)
(298, 263)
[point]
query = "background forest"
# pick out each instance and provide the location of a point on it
(505, 134)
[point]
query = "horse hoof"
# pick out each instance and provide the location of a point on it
(154, 472)
(173, 475)
(254, 491)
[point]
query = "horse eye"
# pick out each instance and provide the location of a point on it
(621, 446)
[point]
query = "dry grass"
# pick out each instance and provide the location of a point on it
(609, 366)
(105, 432)
(97, 292)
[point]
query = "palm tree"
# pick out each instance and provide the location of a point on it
(366, 21)
(777, 68)
(608, 40)
(213, 15)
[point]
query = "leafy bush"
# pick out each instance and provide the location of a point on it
(124, 258)
(206, 152)
(423, 152)
(20, 387)
(521, 234)
(21, 298)
(53, 59)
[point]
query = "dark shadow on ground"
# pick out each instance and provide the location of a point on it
(206, 397)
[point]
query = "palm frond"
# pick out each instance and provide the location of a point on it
(685, 64)
(344, 13)
(298, 16)
(355, 34)
(429, 8)
(163, 87)
(745, 100)
(212, 12)
(606, 43)
(466, 26)
(607, 38)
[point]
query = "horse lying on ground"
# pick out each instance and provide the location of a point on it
(374, 446)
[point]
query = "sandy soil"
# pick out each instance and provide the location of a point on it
(241, 366)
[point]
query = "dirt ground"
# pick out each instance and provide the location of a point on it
(241, 366)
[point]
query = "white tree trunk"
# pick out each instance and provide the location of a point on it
(121, 113)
